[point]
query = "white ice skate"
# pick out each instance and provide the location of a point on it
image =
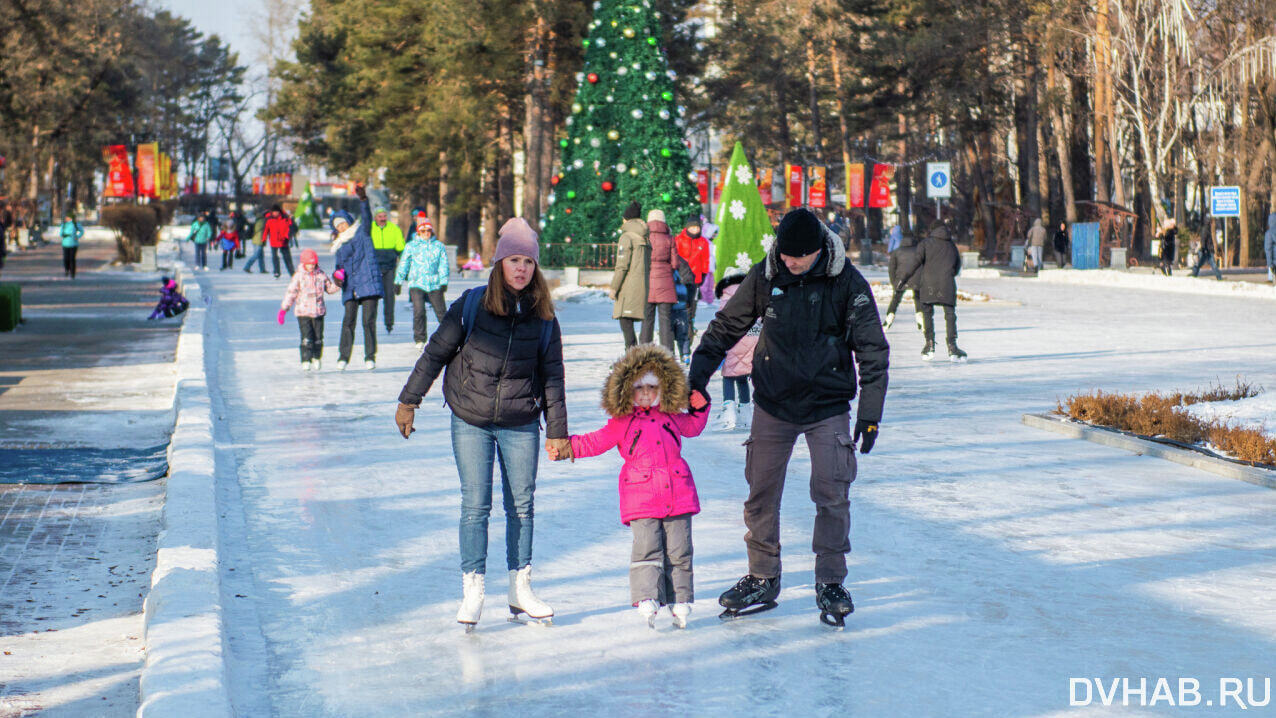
(420, 346)
(316, 364)
(744, 418)
(525, 607)
(342, 364)
(888, 321)
(305, 366)
(369, 364)
(648, 608)
(917, 317)
(472, 584)
(680, 613)
(727, 419)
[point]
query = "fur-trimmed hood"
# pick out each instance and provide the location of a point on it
(344, 236)
(618, 391)
(832, 244)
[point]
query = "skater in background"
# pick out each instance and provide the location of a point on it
(938, 263)
(647, 399)
(903, 261)
(1060, 243)
(1205, 251)
(258, 230)
(201, 234)
(305, 295)
(387, 243)
(474, 263)
(228, 242)
(660, 280)
(1269, 247)
(629, 278)
(682, 323)
(818, 315)
(1036, 244)
(423, 266)
(693, 266)
(356, 271)
(278, 234)
(738, 364)
(171, 302)
(1169, 236)
(503, 350)
(71, 233)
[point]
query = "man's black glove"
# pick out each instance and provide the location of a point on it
(868, 430)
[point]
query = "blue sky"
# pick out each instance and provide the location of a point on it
(229, 19)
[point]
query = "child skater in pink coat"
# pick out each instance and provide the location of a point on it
(651, 412)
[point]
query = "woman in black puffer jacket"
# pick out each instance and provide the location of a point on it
(503, 351)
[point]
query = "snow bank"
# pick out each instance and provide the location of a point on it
(882, 293)
(573, 294)
(1184, 285)
(1257, 412)
(185, 672)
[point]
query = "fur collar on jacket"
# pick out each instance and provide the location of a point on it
(618, 392)
(345, 236)
(832, 244)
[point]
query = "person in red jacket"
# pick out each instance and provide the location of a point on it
(693, 248)
(277, 233)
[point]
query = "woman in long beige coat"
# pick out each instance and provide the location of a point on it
(629, 279)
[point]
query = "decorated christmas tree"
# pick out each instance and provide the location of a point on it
(625, 133)
(744, 229)
(307, 216)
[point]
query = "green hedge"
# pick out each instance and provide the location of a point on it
(10, 306)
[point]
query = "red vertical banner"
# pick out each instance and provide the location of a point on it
(702, 184)
(765, 177)
(879, 194)
(256, 185)
(119, 176)
(287, 184)
(146, 174)
(792, 186)
(855, 185)
(817, 193)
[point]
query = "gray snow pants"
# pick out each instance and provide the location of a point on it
(660, 564)
(769, 447)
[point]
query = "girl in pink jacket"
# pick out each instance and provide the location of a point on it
(738, 364)
(305, 292)
(651, 412)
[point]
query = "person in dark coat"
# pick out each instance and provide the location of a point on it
(938, 263)
(1060, 243)
(819, 321)
(903, 261)
(1169, 246)
(356, 270)
(1206, 252)
(660, 280)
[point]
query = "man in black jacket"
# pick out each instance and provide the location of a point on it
(818, 314)
(903, 261)
(938, 263)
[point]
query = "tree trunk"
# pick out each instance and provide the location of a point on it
(1102, 53)
(33, 180)
(845, 138)
(473, 233)
(491, 189)
(903, 184)
(447, 194)
(1242, 161)
(505, 168)
(1062, 133)
(534, 100)
(1031, 144)
(813, 100)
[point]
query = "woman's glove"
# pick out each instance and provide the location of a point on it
(339, 277)
(282, 313)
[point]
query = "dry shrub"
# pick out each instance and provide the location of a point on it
(134, 225)
(1163, 416)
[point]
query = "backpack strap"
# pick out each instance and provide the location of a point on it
(469, 310)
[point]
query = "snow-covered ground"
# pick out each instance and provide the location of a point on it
(992, 562)
(1257, 412)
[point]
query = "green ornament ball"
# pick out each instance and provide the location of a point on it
(585, 42)
(650, 41)
(665, 197)
(666, 152)
(563, 143)
(571, 194)
(667, 96)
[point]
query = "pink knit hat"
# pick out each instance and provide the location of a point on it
(517, 238)
(309, 256)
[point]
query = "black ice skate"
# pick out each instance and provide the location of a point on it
(750, 595)
(928, 351)
(834, 604)
(955, 354)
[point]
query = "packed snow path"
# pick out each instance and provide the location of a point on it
(992, 561)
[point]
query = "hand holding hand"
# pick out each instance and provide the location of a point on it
(867, 430)
(280, 318)
(559, 449)
(403, 418)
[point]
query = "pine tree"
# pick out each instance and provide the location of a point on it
(744, 229)
(625, 133)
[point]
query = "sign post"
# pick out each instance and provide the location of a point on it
(1225, 201)
(939, 183)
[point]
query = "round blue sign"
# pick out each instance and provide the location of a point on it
(938, 180)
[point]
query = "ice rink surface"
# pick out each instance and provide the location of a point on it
(992, 562)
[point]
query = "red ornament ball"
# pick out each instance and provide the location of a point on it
(607, 186)
(568, 210)
(555, 179)
(592, 77)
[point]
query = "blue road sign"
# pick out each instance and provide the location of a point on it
(1225, 201)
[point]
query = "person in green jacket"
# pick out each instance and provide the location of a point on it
(387, 244)
(201, 234)
(71, 234)
(259, 241)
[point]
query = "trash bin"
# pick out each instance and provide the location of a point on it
(10, 306)
(1016, 255)
(1118, 258)
(970, 260)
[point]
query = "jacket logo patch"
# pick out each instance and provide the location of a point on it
(776, 291)
(861, 300)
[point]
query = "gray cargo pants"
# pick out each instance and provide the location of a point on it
(770, 445)
(660, 564)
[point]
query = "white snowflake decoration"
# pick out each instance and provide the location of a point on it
(767, 241)
(743, 175)
(742, 261)
(737, 209)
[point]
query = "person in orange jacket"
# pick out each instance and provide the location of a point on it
(694, 249)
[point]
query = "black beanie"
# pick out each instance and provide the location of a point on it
(633, 211)
(800, 234)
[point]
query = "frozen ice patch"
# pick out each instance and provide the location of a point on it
(580, 295)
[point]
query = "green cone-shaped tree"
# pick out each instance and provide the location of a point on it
(744, 229)
(625, 133)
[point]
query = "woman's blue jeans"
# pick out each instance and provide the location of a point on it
(476, 449)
